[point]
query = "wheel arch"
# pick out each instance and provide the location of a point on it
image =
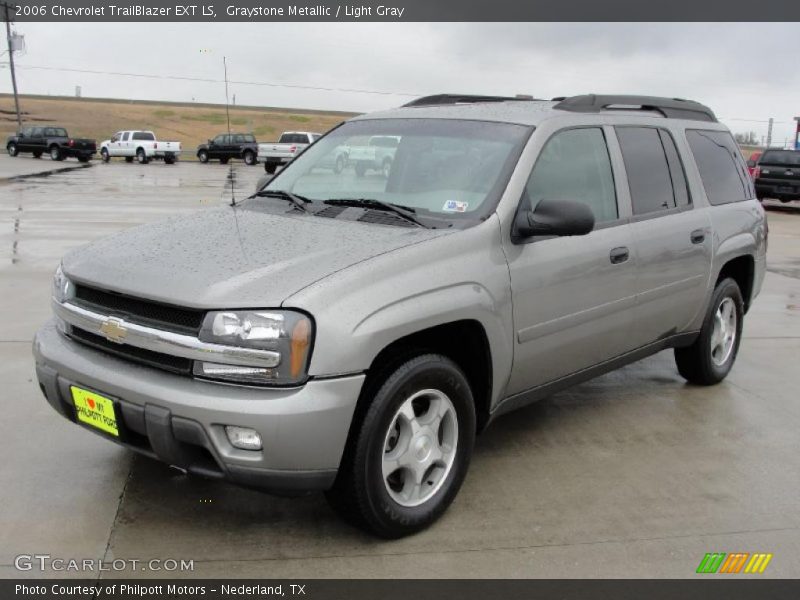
(742, 270)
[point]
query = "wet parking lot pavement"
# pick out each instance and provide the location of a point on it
(634, 474)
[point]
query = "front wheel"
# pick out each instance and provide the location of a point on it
(202, 156)
(710, 358)
(105, 155)
(408, 456)
(12, 148)
(55, 153)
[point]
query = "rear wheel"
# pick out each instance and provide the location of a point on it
(710, 358)
(408, 456)
(55, 153)
(141, 156)
(250, 158)
(12, 149)
(339, 166)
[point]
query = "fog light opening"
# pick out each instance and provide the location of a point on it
(243, 437)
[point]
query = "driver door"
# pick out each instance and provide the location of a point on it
(572, 295)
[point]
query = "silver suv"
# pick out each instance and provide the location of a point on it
(352, 333)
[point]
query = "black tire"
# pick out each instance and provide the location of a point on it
(223, 161)
(249, 158)
(55, 153)
(37, 154)
(104, 155)
(128, 159)
(360, 493)
(695, 362)
(270, 168)
(361, 169)
(141, 156)
(339, 166)
(169, 160)
(202, 156)
(13, 150)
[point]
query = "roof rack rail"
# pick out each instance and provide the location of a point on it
(671, 108)
(441, 99)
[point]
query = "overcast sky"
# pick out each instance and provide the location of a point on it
(736, 69)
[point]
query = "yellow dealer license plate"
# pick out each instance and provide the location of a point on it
(95, 410)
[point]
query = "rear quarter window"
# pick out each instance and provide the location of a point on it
(722, 168)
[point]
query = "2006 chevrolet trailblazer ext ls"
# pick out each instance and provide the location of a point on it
(352, 333)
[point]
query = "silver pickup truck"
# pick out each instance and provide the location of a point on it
(290, 144)
(353, 334)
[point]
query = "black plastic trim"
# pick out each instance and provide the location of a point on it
(671, 108)
(548, 389)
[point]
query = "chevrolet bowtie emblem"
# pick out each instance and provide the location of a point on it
(114, 330)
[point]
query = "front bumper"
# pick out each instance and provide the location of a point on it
(181, 421)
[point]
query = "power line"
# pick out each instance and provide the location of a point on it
(210, 80)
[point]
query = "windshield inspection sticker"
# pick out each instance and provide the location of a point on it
(455, 206)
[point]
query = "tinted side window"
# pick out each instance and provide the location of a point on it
(143, 135)
(36, 132)
(125, 136)
(722, 169)
(574, 165)
(219, 139)
(678, 175)
(249, 139)
(646, 165)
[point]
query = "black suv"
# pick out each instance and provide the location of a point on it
(54, 141)
(230, 145)
(778, 175)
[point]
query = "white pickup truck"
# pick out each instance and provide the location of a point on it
(290, 144)
(377, 155)
(141, 145)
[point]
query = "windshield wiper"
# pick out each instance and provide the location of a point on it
(405, 212)
(299, 201)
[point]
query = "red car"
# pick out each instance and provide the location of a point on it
(752, 163)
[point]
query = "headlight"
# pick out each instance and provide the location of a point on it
(62, 288)
(287, 333)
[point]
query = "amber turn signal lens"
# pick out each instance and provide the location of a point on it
(301, 339)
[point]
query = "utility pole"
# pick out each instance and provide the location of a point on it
(797, 134)
(769, 132)
(7, 7)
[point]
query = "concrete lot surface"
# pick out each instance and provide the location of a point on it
(634, 474)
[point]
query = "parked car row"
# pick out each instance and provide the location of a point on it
(143, 146)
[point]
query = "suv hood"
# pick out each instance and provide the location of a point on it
(232, 257)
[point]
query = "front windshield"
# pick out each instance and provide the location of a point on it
(440, 168)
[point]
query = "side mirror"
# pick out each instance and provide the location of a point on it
(751, 163)
(263, 181)
(554, 217)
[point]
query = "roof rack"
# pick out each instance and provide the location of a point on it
(671, 108)
(440, 99)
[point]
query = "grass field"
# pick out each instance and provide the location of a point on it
(190, 124)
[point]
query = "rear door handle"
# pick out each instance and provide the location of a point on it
(619, 255)
(698, 236)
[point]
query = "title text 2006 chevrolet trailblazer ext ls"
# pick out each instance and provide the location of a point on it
(352, 333)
